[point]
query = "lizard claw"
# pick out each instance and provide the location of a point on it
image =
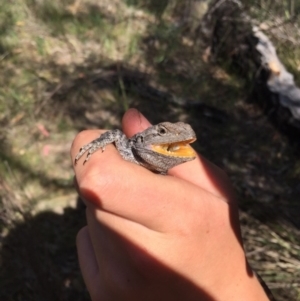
(90, 149)
(81, 152)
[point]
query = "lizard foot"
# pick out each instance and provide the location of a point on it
(90, 148)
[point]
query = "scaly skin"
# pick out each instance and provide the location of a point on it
(158, 148)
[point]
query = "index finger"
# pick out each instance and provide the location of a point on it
(132, 192)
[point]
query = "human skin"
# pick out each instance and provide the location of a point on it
(155, 237)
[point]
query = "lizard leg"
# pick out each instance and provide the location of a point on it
(114, 136)
(124, 147)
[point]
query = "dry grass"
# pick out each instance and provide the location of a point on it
(73, 65)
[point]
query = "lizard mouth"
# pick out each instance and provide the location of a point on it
(177, 149)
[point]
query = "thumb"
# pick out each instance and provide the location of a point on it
(199, 172)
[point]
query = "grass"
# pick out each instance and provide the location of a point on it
(67, 66)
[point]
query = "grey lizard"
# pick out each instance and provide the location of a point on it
(158, 148)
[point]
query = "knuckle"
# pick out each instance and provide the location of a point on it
(99, 183)
(81, 136)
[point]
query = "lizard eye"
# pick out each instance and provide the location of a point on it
(162, 131)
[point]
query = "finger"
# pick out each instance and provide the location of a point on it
(134, 122)
(129, 190)
(199, 172)
(103, 261)
(87, 260)
(81, 169)
(206, 175)
(106, 178)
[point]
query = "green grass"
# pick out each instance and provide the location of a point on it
(61, 22)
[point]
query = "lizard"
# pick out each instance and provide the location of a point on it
(158, 148)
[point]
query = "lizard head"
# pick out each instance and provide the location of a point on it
(171, 140)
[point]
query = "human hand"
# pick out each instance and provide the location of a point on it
(154, 237)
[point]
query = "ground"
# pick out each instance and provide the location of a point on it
(68, 66)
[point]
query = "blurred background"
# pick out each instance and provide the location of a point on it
(69, 65)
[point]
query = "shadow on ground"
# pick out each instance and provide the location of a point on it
(39, 256)
(39, 259)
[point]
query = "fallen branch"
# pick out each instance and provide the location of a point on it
(234, 37)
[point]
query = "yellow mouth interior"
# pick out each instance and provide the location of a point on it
(178, 149)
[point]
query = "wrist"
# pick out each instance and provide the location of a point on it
(241, 284)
